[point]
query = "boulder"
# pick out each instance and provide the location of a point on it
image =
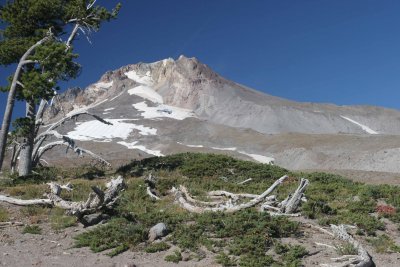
(157, 231)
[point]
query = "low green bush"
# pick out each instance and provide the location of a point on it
(118, 234)
(384, 244)
(156, 247)
(32, 229)
(4, 216)
(175, 258)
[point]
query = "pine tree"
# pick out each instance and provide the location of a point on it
(35, 38)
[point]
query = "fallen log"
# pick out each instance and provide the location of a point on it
(362, 259)
(292, 202)
(98, 200)
(227, 206)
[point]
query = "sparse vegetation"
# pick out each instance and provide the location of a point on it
(118, 234)
(175, 258)
(244, 238)
(384, 244)
(225, 260)
(346, 249)
(32, 229)
(156, 247)
(4, 216)
(59, 220)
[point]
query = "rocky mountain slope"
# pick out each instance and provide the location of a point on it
(172, 106)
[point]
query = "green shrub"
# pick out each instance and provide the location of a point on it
(4, 216)
(250, 260)
(156, 247)
(32, 229)
(225, 260)
(384, 244)
(314, 208)
(346, 249)
(59, 220)
(175, 258)
(294, 254)
(118, 234)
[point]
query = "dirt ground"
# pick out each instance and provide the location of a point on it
(55, 248)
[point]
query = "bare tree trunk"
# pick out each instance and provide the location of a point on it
(5, 127)
(25, 158)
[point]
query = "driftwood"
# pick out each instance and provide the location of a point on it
(362, 259)
(235, 201)
(151, 181)
(69, 143)
(291, 203)
(192, 205)
(98, 200)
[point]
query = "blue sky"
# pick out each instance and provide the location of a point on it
(345, 52)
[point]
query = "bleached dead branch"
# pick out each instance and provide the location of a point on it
(245, 181)
(151, 194)
(98, 200)
(235, 201)
(292, 202)
(80, 151)
(362, 259)
(229, 206)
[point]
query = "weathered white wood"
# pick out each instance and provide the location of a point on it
(364, 259)
(322, 230)
(80, 151)
(23, 202)
(179, 197)
(272, 213)
(245, 181)
(97, 201)
(39, 150)
(152, 196)
(231, 195)
(344, 258)
(325, 245)
(198, 202)
(291, 204)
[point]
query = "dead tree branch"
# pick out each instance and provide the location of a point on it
(228, 206)
(362, 259)
(98, 200)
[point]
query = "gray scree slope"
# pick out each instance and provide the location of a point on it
(193, 108)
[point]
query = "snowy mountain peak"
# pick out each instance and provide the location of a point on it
(197, 91)
(171, 106)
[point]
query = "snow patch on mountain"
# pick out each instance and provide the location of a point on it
(190, 145)
(256, 157)
(142, 148)
(225, 148)
(104, 84)
(162, 111)
(259, 158)
(142, 79)
(108, 109)
(146, 92)
(92, 130)
(365, 128)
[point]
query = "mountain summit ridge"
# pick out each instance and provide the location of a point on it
(172, 106)
(189, 84)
